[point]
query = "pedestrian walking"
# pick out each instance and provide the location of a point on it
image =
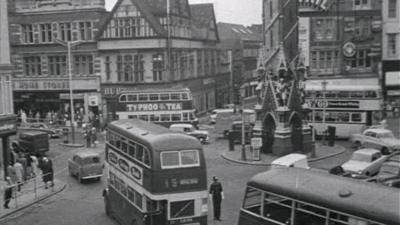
(94, 136)
(216, 195)
(35, 165)
(29, 167)
(19, 172)
(8, 192)
(88, 137)
(47, 172)
(11, 172)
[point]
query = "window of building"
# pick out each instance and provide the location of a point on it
(392, 9)
(362, 27)
(325, 59)
(57, 65)
(158, 67)
(392, 44)
(85, 31)
(361, 4)
(324, 29)
(139, 68)
(65, 32)
(27, 33)
(46, 33)
(32, 66)
(83, 64)
(361, 59)
(107, 65)
(128, 68)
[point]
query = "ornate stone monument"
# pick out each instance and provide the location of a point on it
(281, 110)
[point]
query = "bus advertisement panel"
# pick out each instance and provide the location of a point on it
(297, 196)
(350, 109)
(154, 176)
(161, 106)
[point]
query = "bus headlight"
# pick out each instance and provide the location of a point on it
(204, 206)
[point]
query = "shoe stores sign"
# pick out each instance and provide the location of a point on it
(54, 84)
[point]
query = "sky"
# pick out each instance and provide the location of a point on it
(244, 12)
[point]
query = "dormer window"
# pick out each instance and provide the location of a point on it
(362, 4)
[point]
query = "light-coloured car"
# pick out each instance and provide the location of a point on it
(189, 129)
(85, 165)
(377, 138)
(365, 162)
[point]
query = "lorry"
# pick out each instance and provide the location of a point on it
(225, 119)
(33, 142)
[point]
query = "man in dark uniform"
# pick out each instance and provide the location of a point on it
(216, 194)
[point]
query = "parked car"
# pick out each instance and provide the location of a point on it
(85, 165)
(53, 132)
(364, 162)
(292, 160)
(389, 173)
(377, 138)
(189, 129)
(236, 129)
(33, 142)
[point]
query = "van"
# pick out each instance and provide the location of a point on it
(33, 142)
(292, 160)
(225, 118)
(85, 165)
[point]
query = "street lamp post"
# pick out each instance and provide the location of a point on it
(69, 45)
(242, 93)
(324, 83)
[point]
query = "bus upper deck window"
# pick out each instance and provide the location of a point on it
(185, 96)
(143, 97)
(154, 97)
(165, 117)
(175, 96)
(122, 98)
(185, 116)
(370, 94)
(146, 157)
(190, 158)
(132, 149)
(164, 97)
(132, 98)
(343, 94)
(169, 159)
(176, 117)
(139, 153)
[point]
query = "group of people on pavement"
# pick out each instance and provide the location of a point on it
(90, 134)
(25, 166)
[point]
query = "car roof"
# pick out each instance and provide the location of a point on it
(367, 151)
(379, 130)
(181, 125)
(86, 153)
(289, 159)
(32, 132)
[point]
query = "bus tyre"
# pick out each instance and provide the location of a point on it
(385, 151)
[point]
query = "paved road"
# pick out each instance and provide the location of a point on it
(82, 204)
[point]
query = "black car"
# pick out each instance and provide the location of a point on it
(237, 131)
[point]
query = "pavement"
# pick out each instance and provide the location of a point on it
(33, 191)
(321, 152)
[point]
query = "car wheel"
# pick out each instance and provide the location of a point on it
(357, 145)
(385, 151)
(202, 140)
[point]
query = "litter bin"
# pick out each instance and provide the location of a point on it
(65, 134)
(231, 139)
(331, 135)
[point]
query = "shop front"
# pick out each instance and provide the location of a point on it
(40, 97)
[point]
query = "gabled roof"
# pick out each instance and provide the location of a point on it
(146, 11)
(202, 18)
(237, 31)
(177, 7)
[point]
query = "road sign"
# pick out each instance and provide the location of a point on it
(256, 142)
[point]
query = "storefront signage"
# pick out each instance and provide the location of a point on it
(153, 107)
(8, 126)
(334, 104)
(126, 166)
(54, 84)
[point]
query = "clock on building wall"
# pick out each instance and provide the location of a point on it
(349, 49)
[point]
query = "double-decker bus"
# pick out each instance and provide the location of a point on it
(154, 176)
(297, 196)
(160, 106)
(350, 108)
